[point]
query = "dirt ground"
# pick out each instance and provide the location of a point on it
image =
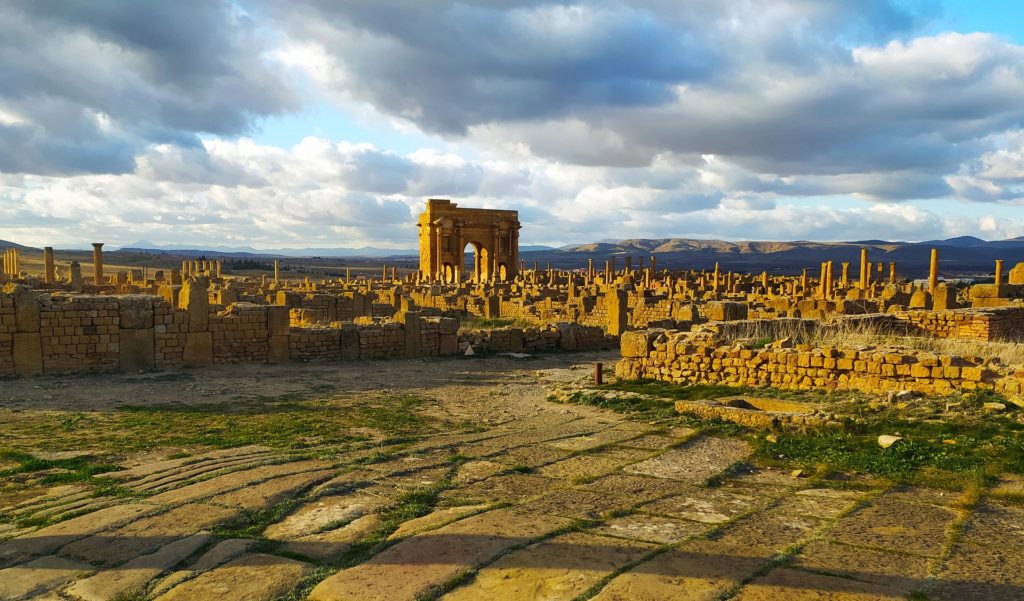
(446, 479)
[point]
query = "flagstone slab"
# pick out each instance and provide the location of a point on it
(316, 515)
(221, 553)
(652, 528)
(47, 540)
(255, 577)
(43, 574)
(268, 493)
(115, 546)
(796, 585)
(557, 569)
(332, 543)
(420, 564)
(135, 574)
(896, 572)
(697, 572)
(695, 461)
(235, 480)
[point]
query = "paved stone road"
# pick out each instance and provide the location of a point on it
(561, 505)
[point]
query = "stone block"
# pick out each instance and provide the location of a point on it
(136, 312)
(277, 349)
(566, 336)
(137, 349)
(516, 344)
(28, 354)
(277, 320)
(449, 343)
(447, 325)
(638, 343)
(195, 299)
(349, 343)
(198, 349)
(413, 345)
(26, 307)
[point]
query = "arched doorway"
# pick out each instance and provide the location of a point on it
(477, 262)
(502, 273)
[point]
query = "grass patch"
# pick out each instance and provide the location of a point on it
(281, 422)
(953, 453)
(75, 469)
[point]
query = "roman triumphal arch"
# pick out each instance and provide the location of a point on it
(446, 230)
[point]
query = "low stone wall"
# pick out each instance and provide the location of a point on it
(680, 358)
(560, 336)
(60, 333)
(969, 324)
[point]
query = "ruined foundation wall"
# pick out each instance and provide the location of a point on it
(985, 325)
(680, 358)
(50, 334)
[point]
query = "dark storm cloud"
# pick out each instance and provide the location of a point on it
(450, 65)
(788, 88)
(87, 84)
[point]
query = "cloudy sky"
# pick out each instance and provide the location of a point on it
(317, 123)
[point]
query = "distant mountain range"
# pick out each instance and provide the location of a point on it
(963, 255)
(958, 256)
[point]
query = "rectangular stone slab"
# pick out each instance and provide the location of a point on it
(557, 569)
(420, 564)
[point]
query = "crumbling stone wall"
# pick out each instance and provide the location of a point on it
(7, 331)
(79, 333)
(240, 334)
(169, 329)
(682, 358)
(969, 324)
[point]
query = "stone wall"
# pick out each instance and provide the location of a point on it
(969, 324)
(7, 330)
(59, 333)
(683, 358)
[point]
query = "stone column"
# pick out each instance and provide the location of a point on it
(830, 288)
(654, 266)
(714, 284)
(999, 272)
(97, 263)
(933, 272)
(277, 270)
(892, 272)
(865, 268)
(821, 281)
(76, 277)
(845, 277)
(803, 283)
(48, 265)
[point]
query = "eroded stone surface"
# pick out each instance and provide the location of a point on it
(38, 576)
(695, 572)
(325, 545)
(435, 518)
(113, 547)
(905, 573)
(316, 515)
(248, 578)
(419, 564)
(49, 539)
(884, 523)
(804, 586)
(652, 528)
(712, 505)
(556, 569)
(695, 461)
(135, 574)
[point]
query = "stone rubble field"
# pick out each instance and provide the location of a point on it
(512, 497)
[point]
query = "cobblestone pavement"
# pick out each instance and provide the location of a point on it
(556, 503)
